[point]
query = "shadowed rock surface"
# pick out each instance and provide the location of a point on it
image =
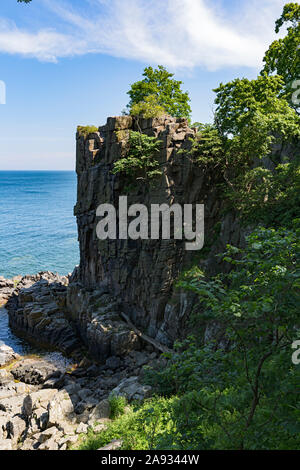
(139, 275)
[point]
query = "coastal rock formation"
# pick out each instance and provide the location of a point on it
(97, 318)
(92, 323)
(7, 354)
(120, 307)
(140, 275)
(124, 293)
(37, 311)
(48, 406)
(7, 286)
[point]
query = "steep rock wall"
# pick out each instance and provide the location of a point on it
(140, 275)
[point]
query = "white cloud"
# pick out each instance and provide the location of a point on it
(176, 33)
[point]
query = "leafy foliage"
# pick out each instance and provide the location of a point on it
(252, 111)
(85, 131)
(272, 197)
(148, 108)
(282, 56)
(251, 121)
(232, 385)
(117, 405)
(140, 162)
(159, 83)
(141, 428)
(239, 390)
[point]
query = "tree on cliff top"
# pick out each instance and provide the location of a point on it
(283, 55)
(160, 85)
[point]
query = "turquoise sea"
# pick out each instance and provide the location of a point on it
(37, 228)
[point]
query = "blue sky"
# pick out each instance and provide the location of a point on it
(67, 63)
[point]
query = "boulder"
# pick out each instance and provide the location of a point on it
(84, 393)
(100, 412)
(6, 444)
(41, 417)
(82, 429)
(4, 375)
(41, 398)
(48, 434)
(67, 441)
(113, 363)
(50, 444)
(114, 445)
(28, 444)
(35, 372)
(16, 427)
(12, 405)
(60, 410)
(131, 389)
(3, 427)
(7, 354)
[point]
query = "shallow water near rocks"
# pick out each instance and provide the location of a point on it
(7, 336)
(21, 347)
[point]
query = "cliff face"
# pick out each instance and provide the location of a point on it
(140, 275)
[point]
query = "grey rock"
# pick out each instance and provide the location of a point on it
(101, 411)
(82, 429)
(3, 427)
(93, 371)
(50, 444)
(48, 434)
(60, 409)
(68, 441)
(6, 444)
(72, 388)
(80, 408)
(114, 445)
(113, 363)
(27, 407)
(131, 389)
(84, 393)
(38, 311)
(7, 354)
(15, 428)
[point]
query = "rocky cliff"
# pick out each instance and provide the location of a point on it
(138, 277)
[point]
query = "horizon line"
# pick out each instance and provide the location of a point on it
(62, 171)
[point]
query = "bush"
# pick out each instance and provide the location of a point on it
(85, 131)
(142, 428)
(148, 108)
(117, 406)
(239, 391)
(140, 162)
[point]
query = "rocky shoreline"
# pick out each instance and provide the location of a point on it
(46, 405)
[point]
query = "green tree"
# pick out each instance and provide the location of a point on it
(159, 83)
(238, 390)
(242, 102)
(282, 57)
(250, 119)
